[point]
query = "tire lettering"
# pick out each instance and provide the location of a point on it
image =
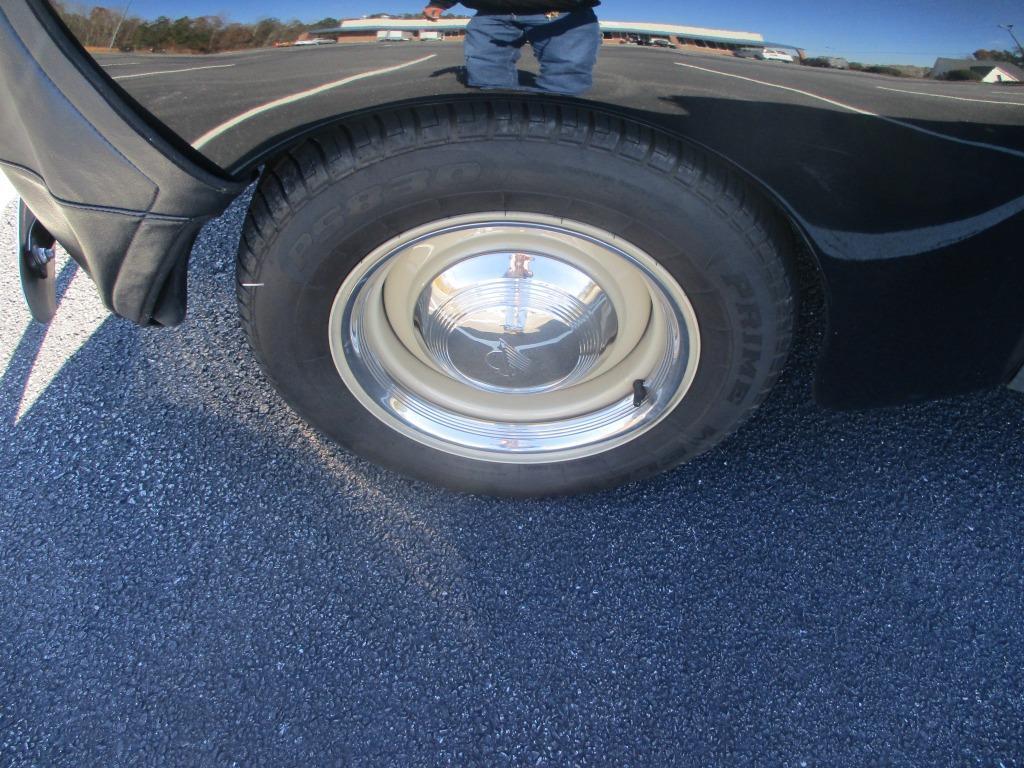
(748, 366)
(746, 375)
(410, 183)
(750, 315)
(414, 183)
(365, 200)
(298, 256)
(739, 391)
(326, 221)
(458, 173)
(740, 284)
(750, 321)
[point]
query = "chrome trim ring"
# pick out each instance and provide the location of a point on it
(514, 337)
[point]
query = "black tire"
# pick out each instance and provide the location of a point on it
(320, 208)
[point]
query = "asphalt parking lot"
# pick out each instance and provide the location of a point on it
(194, 95)
(190, 576)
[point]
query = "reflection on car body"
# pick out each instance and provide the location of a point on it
(764, 54)
(774, 54)
(661, 209)
(748, 52)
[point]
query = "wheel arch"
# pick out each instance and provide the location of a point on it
(804, 251)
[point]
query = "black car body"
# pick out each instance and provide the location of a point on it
(911, 207)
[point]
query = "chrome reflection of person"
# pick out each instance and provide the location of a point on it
(564, 35)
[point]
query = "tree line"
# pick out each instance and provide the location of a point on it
(100, 27)
(993, 55)
(983, 55)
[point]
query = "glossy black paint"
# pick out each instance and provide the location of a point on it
(123, 202)
(912, 206)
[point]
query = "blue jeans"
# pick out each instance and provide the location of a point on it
(565, 46)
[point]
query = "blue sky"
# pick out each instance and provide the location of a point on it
(872, 31)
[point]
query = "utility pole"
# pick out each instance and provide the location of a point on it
(118, 27)
(1009, 28)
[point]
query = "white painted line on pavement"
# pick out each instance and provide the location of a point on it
(955, 98)
(209, 136)
(866, 113)
(172, 71)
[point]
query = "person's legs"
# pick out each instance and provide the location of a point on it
(493, 45)
(567, 51)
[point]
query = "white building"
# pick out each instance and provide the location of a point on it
(989, 71)
(721, 40)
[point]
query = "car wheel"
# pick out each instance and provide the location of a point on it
(514, 297)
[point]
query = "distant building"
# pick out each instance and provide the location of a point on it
(989, 71)
(623, 32)
(710, 40)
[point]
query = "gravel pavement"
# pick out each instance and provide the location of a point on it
(191, 577)
(7, 193)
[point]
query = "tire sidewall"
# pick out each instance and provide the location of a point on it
(725, 278)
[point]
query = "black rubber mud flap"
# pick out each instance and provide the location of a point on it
(36, 263)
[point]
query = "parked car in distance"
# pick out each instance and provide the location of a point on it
(662, 42)
(774, 54)
(826, 62)
(316, 41)
(748, 52)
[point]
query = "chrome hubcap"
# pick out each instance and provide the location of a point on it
(515, 322)
(514, 337)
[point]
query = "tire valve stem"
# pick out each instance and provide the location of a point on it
(639, 393)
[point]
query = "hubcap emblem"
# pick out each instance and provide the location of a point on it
(515, 322)
(507, 360)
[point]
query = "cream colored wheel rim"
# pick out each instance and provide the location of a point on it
(514, 337)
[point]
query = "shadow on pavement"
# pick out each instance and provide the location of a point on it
(14, 379)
